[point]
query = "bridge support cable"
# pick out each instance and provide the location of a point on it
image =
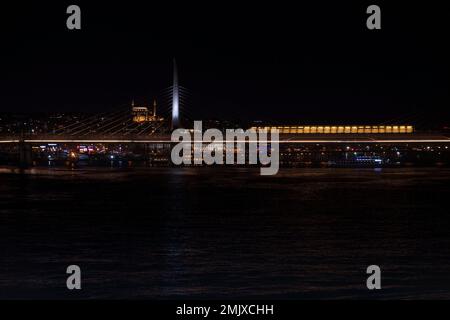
(123, 124)
(119, 117)
(136, 128)
(144, 130)
(91, 124)
(92, 119)
(148, 127)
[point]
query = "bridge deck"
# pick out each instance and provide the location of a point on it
(283, 138)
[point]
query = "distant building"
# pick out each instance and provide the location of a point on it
(143, 114)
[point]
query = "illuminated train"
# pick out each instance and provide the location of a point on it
(338, 129)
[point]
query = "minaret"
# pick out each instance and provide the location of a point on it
(154, 108)
(175, 98)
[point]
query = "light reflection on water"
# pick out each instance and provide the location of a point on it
(224, 232)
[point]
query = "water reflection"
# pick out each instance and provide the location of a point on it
(224, 232)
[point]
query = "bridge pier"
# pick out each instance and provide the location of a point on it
(25, 154)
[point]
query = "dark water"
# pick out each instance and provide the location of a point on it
(225, 233)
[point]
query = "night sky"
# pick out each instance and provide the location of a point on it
(283, 61)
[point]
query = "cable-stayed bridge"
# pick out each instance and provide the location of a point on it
(138, 124)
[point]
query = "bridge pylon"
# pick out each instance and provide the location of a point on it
(175, 98)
